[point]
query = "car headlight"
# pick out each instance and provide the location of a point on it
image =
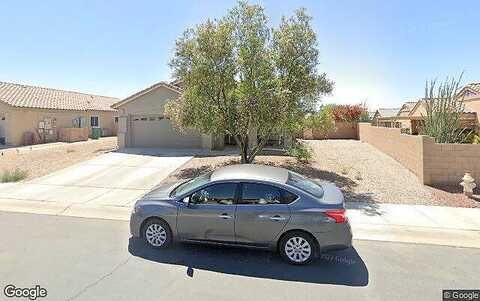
(137, 209)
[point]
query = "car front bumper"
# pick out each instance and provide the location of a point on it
(136, 220)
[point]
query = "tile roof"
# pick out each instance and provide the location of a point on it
(474, 86)
(388, 112)
(24, 96)
(406, 108)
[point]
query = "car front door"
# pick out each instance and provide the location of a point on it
(209, 215)
(262, 212)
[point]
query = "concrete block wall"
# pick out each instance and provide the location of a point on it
(343, 130)
(406, 149)
(447, 163)
(433, 163)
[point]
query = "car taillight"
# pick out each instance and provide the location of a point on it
(338, 215)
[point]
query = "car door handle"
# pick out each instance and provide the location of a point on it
(277, 218)
(225, 216)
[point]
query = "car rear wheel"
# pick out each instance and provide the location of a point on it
(157, 233)
(297, 248)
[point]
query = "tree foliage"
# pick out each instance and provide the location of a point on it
(240, 76)
(323, 120)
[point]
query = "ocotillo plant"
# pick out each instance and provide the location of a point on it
(443, 112)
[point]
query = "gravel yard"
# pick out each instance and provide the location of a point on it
(362, 172)
(43, 159)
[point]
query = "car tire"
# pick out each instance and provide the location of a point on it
(157, 234)
(297, 248)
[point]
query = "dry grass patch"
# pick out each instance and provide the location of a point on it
(15, 176)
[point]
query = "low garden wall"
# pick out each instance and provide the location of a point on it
(342, 130)
(433, 163)
(72, 134)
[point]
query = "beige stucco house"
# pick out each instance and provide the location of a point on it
(386, 117)
(40, 113)
(470, 95)
(142, 122)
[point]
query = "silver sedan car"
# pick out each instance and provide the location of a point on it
(246, 205)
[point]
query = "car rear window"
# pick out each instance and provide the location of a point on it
(304, 184)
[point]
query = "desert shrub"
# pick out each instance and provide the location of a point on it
(476, 139)
(301, 152)
(443, 112)
(15, 176)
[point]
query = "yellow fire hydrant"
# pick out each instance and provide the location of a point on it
(468, 183)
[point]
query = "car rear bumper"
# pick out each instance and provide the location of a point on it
(340, 237)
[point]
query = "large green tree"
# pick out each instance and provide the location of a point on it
(240, 76)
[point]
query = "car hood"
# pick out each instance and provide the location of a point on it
(161, 192)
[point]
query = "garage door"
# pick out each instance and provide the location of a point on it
(157, 131)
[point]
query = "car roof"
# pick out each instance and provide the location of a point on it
(251, 172)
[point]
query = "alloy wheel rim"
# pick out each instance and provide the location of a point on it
(156, 235)
(298, 249)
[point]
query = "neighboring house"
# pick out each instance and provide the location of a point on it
(371, 115)
(470, 95)
(29, 111)
(410, 117)
(386, 117)
(418, 113)
(142, 122)
(403, 116)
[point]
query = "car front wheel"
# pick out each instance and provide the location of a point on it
(157, 233)
(297, 248)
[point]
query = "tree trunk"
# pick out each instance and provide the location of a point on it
(248, 155)
(256, 150)
(243, 145)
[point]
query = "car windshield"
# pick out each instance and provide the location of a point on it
(304, 184)
(191, 184)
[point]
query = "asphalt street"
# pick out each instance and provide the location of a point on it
(90, 259)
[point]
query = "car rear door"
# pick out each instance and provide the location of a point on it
(262, 212)
(210, 215)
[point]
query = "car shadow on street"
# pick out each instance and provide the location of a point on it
(344, 267)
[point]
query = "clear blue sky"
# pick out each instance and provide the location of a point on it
(382, 51)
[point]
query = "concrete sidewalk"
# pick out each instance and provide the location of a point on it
(436, 225)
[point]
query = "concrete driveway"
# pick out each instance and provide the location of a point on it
(108, 184)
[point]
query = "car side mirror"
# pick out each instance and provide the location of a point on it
(186, 200)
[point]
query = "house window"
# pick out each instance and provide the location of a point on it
(116, 119)
(94, 121)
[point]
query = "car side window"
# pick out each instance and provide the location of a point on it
(217, 194)
(262, 194)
